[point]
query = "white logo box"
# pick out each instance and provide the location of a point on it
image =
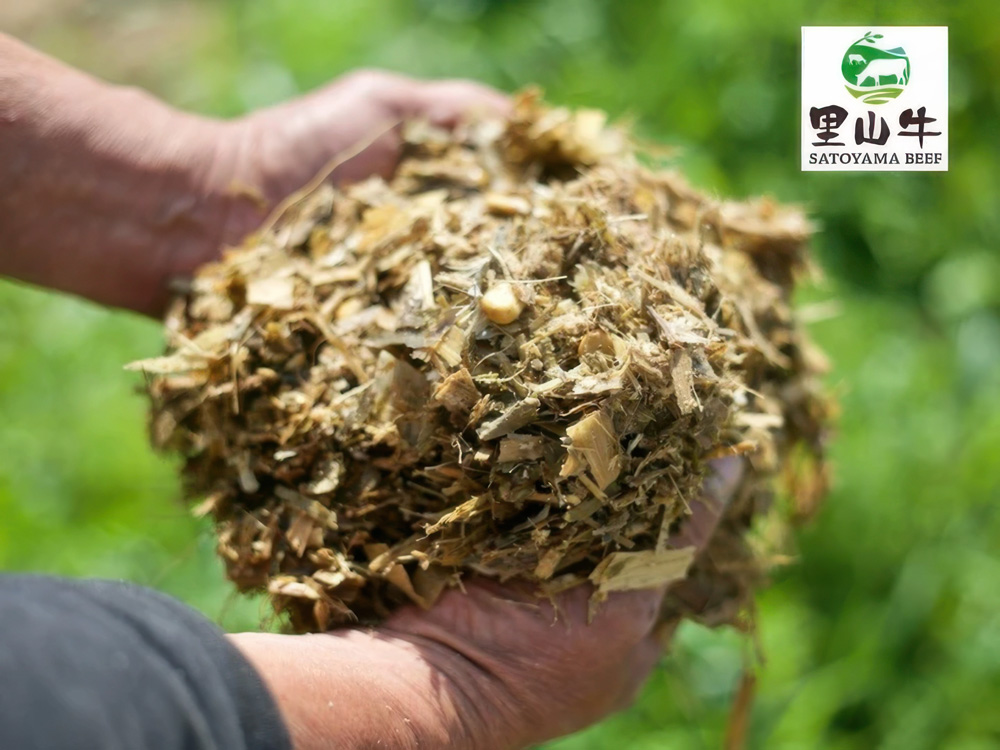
(824, 85)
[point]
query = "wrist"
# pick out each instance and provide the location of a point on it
(357, 689)
(105, 191)
(164, 200)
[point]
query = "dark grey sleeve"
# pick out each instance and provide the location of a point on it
(113, 666)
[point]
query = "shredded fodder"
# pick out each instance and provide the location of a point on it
(517, 358)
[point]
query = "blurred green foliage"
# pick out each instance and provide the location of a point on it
(886, 633)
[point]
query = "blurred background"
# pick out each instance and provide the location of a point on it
(885, 633)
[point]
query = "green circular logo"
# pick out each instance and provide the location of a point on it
(875, 73)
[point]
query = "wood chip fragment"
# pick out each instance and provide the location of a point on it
(683, 380)
(521, 448)
(593, 445)
(513, 418)
(648, 569)
(457, 393)
(269, 292)
(507, 205)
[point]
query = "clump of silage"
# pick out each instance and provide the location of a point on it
(514, 358)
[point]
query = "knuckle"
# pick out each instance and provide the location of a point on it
(370, 80)
(460, 88)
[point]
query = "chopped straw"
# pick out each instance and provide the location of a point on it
(515, 358)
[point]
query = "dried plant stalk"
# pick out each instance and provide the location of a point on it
(515, 357)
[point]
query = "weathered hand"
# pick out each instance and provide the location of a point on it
(108, 193)
(491, 667)
(276, 151)
(286, 145)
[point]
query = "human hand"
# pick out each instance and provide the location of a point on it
(493, 666)
(107, 193)
(263, 157)
(281, 148)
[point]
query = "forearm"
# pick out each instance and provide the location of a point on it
(360, 689)
(104, 191)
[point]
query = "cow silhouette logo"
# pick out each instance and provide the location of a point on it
(875, 73)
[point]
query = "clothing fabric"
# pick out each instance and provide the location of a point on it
(113, 666)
